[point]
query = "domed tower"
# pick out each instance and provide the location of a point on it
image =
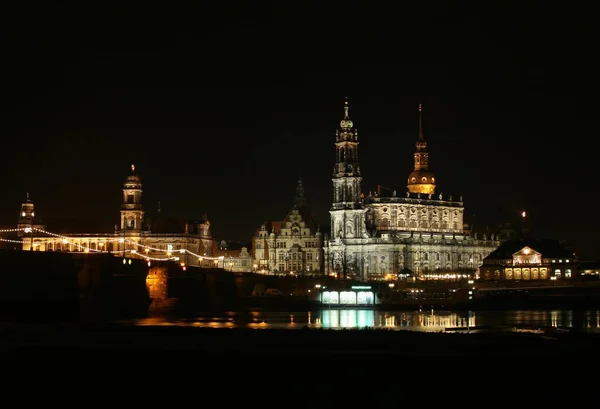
(26, 216)
(421, 180)
(132, 211)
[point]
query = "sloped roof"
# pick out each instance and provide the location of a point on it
(547, 247)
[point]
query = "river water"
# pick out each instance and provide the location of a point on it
(351, 318)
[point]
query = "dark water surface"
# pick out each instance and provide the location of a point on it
(425, 320)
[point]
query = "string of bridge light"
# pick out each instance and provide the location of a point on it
(72, 241)
(69, 240)
(9, 240)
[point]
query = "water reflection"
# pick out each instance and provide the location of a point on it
(394, 320)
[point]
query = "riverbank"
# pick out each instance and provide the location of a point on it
(113, 343)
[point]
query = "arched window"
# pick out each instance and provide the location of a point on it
(384, 223)
(132, 223)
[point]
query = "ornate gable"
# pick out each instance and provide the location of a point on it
(527, 255)
(294, 219)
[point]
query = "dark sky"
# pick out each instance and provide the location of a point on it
(223, 107)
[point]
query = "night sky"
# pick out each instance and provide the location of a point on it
(223, 107)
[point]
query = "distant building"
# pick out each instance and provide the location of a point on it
(292, 245)
(530, 259)
(234, 257)
(156, 237)
(385, 233)
(589, 268)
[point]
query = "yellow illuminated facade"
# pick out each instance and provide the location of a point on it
(551, 262)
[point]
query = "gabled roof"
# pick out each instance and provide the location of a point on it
(525, 249)
(549, 248)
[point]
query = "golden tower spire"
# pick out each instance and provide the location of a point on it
(421, 180)
(421, 122)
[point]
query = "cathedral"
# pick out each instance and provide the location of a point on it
(384, 234)
(293, 245)
(153, 238)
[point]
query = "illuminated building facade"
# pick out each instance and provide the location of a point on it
(384, 234)
(530, 260)
(234, 258)
(158, 237)
(293, 245)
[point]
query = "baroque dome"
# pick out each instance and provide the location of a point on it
(421, 176)
(132, 181)
(421, 181)
(163, 224)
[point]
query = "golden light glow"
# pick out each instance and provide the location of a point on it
(424, 188)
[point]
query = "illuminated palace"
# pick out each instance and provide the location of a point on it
(293, 245)
(158, 237)
(383, 234)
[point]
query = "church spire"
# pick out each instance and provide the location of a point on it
(346, 108)
(299, 199)
(421, 180)
(346, 123)
(421, 144)
(420, 122)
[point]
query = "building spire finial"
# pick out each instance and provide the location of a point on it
(346, 108)
(420, 122)
(132, 167)
(299, 199)
(158, 209)
(27, 196)
(346, 123)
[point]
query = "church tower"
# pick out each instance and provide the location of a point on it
(421, 180)
(27, 223)
(346, 211)
(132, 212)
(26, 216)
